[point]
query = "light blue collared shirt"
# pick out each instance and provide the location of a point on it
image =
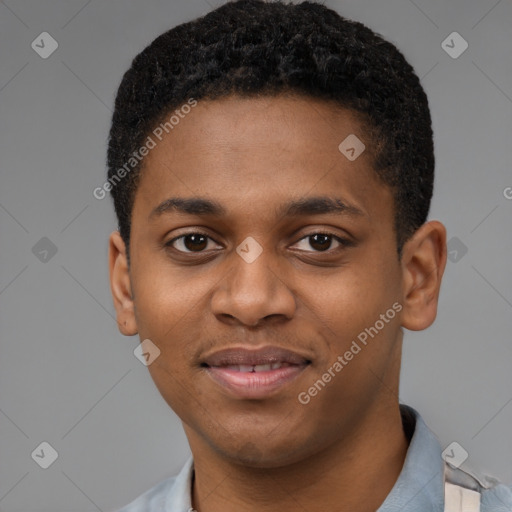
(419, 487)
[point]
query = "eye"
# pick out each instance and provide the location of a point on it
(190, 242)
(322, 242)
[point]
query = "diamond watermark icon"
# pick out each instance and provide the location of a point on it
(249, 249)
(454, 45)
(351, 147)
(45, 455)
(44, 45)
(454, 454)
(456, 249)
(146, 352)
(44, 250)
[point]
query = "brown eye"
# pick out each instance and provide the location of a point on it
(322, 242)
(190, 242)
(195, 242)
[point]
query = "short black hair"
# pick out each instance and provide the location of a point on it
(251, 48)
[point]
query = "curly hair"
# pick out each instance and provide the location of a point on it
(255, 48)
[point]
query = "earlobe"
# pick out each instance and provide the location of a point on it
(423, 264)
(120, 285)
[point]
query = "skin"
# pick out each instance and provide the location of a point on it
(252, 156)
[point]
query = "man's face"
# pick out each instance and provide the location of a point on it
(306, 292)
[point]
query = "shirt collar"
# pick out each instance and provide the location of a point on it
(179, 498)
(418, 487)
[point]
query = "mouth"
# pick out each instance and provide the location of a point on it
(254, 374)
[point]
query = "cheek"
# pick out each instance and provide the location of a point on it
(351, 308)
(170, 310)
(163, 298)
(168, 377)
(157, 309)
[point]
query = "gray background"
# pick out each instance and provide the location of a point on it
(69, 378)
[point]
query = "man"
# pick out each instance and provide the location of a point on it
(272, 167)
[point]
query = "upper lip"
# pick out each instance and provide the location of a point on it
(246, 356)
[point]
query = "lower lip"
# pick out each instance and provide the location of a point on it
(255, 385)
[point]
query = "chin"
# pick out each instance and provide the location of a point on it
(264, 453)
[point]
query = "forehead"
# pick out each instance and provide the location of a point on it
(260, 152)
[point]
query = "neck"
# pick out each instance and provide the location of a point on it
(338, 478)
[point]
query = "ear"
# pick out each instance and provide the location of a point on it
(120, 285)
(423, 263)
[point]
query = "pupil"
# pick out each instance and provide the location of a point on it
(197, 242)
(322, 242)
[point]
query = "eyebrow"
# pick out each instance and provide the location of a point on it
(295, 208)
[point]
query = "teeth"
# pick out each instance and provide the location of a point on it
(247, 368)
(262, 368)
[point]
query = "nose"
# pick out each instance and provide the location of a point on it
(253, 293)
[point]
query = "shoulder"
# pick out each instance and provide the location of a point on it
(173, 493)
(152, 500)
(495, 496)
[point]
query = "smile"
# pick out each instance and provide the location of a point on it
(254, 374)
(256, 367)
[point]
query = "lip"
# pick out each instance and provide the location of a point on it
(250, 356)
(222, 365)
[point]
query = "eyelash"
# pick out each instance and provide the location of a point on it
(344, 242)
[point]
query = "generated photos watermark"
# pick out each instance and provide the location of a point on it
(304, 397)
(151, 142)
